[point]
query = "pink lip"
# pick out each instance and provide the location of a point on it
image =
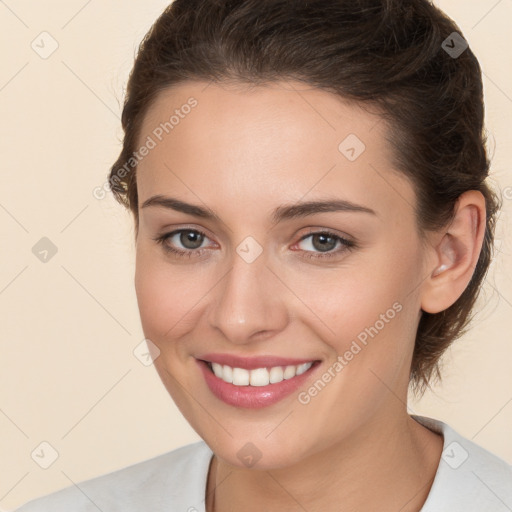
(254, 397)
(251, 363)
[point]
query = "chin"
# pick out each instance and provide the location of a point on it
(255, 454)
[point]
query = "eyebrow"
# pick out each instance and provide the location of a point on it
(284, 212)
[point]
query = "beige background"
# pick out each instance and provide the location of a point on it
(68, 375)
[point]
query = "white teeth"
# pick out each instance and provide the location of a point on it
(217, 369)
(289, 372)
(303, 368)
(240, 377)
(258, 376)
(227, 373)
(276, 374)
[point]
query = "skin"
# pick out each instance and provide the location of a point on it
(243, 152)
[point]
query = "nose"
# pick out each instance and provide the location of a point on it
(249, 303)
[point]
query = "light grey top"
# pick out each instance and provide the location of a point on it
(468, 479)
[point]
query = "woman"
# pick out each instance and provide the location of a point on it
(313, 225)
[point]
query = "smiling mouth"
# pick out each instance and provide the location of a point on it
(258, 376)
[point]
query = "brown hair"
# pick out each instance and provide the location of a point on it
(382, 53)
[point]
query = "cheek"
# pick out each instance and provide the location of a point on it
(347, 300)
(367, 326)
(167, 300)
(367, 310)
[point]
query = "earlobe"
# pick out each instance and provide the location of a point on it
(456, 255)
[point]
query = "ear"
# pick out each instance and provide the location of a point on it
(454, 257)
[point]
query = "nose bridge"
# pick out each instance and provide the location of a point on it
(248, 299)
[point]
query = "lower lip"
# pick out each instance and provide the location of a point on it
(253, 397)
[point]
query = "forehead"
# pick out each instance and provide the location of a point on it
(266, 144)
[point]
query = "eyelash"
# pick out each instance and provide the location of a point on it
(347, 244)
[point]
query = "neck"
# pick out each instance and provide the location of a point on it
(394, 457)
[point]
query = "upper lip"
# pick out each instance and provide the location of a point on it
(250, 363)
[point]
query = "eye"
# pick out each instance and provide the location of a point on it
(324, 242)
(320, 245)
(190, 239)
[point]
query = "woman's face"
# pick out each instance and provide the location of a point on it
(271, 277)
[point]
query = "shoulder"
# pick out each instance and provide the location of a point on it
(172, 481)
(469, 477)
